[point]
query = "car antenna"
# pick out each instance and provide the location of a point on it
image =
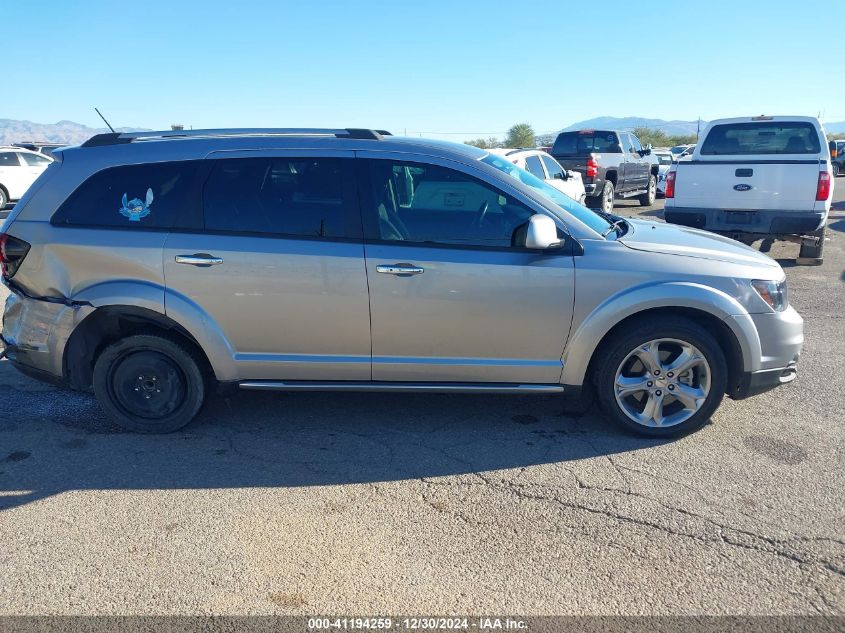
(104, 120)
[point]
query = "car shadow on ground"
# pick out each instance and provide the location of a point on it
(60, 441)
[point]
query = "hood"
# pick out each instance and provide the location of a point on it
(674, 239)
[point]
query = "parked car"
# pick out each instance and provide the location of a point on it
(613, 165)
(837, 157)
(664, 162)
(42, 148)
(545, 167)
(682, 151)
(757, 177)
(18, 170)
(352, 260)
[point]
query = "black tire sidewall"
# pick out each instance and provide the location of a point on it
(195, 383)
(615, 351)
(4, 200)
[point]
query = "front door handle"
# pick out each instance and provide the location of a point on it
(199, 259)
(399, 269)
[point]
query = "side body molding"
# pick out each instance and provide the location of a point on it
(589, 332)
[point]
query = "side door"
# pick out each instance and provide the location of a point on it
(12, 174)
(642, 164)
(454, 294)
(278, 264)
(534, 166)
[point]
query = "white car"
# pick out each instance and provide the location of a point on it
(664, 162)
(543, 166)
(18, 170)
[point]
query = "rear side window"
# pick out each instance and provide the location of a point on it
(308, 197)
(770, 137)
(34, 160)
(154, 195)
(534, 167)
(579, 143)
(9, 159)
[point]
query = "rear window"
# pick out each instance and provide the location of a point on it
(155, 195)
(578, 143)
(770, 137)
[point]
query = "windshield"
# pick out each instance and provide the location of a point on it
(569, 205)
(664, 159)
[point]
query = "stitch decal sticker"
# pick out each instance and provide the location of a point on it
(136, 209)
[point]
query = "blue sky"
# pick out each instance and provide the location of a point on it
(435, 67)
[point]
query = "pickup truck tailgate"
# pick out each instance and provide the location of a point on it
(788, 185)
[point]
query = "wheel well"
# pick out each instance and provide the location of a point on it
(714, 325)
(655, 170)
(109, 324)
(611, 176)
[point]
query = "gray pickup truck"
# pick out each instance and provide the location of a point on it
(613, 165)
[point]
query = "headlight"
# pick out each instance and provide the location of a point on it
(772, 292)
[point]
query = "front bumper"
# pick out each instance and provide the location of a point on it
(752, 383)
(764, 221)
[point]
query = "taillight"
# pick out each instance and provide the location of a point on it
(823, 188)
(592, 167)
(12, 252)
(670, 184)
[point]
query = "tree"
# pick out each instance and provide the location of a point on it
(485, 143)
(520, 135)
(659, 138)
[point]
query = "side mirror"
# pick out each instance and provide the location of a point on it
(542, 232)
(647, 150)
(562, 175)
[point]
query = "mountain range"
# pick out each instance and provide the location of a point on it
(68, 132)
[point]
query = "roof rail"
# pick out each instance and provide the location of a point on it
(118, 138)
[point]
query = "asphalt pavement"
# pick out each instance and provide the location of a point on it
(436, 504)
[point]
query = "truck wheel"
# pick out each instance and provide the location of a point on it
(662, 377)
(812, 255)
(647, 199)
(604, 202)
(836, 170)
(149, 383)
(3, 199)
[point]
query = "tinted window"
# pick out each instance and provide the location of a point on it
(415, 202)
(9, 159)
(292, 196)
(532, 164)
(156, 195)
(34, 160)
(626, 143)
(636, 143)
(578, 143)
(762, 138)
(552, 166)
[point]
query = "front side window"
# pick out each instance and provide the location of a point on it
(34, 160)
(627, 145)
(533, 165)
(9, 159)
(153, 195)
(308, 197)
(552, 166)
(422, 203)
(635, 142)
(769, 137)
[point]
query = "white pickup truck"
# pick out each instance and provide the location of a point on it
(751, 178)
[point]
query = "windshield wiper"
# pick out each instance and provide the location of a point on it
(615, 226)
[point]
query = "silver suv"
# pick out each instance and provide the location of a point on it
(152, 268)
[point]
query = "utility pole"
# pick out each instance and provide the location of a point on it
(698, 128)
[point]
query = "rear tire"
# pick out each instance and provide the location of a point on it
(149, 383)
(648, 198)
(702, 384)
(836, 170)
(604, 201)
(812, 255)
(4, 199)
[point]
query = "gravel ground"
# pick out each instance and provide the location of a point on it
(374, 504)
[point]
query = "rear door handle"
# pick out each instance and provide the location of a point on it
(199, 259)
(399, 269)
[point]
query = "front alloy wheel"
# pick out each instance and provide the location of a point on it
(661, 377)
(662, 383)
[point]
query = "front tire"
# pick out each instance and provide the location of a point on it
(648, 198)
(149, 383)
(836, 170)
(661, 378)
(4, 199)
